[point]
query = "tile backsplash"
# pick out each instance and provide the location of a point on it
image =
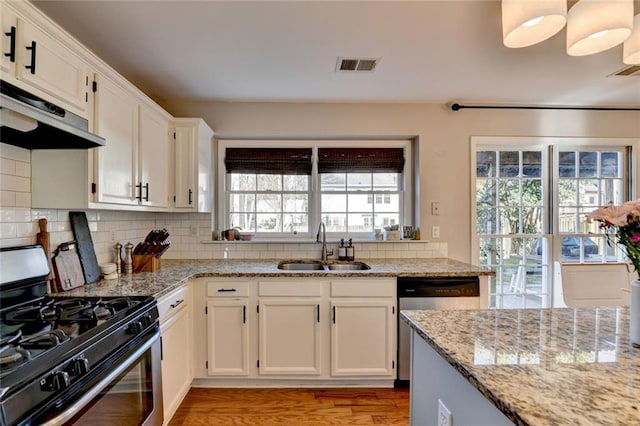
(189, 231)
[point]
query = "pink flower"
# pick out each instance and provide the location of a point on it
(617, 215)
(634, 238)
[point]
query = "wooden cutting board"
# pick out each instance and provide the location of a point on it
(66, 266)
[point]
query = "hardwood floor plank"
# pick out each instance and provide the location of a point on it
(293, 407)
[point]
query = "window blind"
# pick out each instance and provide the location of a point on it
(289, 161)
(341, 160)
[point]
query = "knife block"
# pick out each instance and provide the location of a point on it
(145, 263)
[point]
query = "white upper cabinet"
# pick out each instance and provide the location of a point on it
(39, 63)
(116, 120)
(153, 182)
(193, 176)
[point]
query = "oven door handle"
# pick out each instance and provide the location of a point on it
(95, 390)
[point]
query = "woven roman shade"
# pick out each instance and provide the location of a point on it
(342, 160)
(289, 161)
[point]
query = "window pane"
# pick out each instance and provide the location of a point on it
(385, 219)
(358, 202)
(567, 192)
(295, 223)
(333, 181)
(359, 181)
(335, 222)
(295, 203)
(486, 163)
(242, 203)
(242, 182)
(386, 181)
(359, 223)
(532, 192)
(610, 165)
(269, 203)
(296, 183)
(588, 164)
(334, 203)
(390, 203)
(532, 163)
(567, 164)
(509, 164)
(269, 222)
(269, 182)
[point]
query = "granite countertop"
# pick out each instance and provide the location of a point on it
(174, 272)
(542, 366)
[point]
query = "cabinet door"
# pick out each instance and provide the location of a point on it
(48, 66)
(176, 360)
(154, 158)
(185, 147)
(116, 120)
(289, 337)
(363, 338)
(228, 344)
(9, 34)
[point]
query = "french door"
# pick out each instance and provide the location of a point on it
(531, 201)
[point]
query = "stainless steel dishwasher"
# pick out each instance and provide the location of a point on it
(420, 293)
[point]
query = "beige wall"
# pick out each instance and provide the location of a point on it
(444, 140)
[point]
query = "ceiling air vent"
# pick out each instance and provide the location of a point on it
(356, 64)
(630, 71)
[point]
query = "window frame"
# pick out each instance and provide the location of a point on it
(220, 213)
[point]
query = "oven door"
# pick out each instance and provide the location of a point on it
(128, 394)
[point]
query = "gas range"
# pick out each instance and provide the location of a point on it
(54, 349)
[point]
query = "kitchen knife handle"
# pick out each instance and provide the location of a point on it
(190, 196)
(12, 44)
(146, 187)
(32, 67)
(139, 188)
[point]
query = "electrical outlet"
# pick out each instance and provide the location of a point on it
(435, 231)
(444, 415)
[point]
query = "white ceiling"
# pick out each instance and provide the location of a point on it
(430, 51)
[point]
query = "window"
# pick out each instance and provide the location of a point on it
(531, 199)
(287, 191)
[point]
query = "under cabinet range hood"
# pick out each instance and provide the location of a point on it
(30, 122)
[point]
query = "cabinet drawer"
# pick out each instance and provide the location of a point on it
(171, 303)
(363, 288)
(291, 288)
(228, 288)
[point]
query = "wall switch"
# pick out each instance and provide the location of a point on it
(435, 232)
(435, 208)
(444, 415)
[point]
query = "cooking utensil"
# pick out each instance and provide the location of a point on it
(66, 266)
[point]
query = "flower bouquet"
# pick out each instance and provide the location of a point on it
(622, 225)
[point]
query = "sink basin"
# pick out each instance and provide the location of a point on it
(353, 266)
(309, 265)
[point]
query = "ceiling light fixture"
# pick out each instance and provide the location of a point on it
(631, 47)
(527, 22)
(592, 25)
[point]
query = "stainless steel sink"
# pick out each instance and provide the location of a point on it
(353, 266)
(303, 265)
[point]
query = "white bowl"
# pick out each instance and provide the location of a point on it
(107, 268)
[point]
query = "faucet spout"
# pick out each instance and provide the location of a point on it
(325, 253)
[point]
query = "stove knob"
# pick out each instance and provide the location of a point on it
(55, 381)
(135, 328)
(147, 320)
(78, 367)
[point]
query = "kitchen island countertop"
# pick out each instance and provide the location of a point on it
(175, 272)
(542, 366)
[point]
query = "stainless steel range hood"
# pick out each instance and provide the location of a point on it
(33, 123)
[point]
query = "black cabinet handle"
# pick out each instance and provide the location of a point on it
(334, 314)
(139, 188)
(178, 303)
(146, 187)
(244, 314)
(12, 44)
(190, 197)
(32, 67)
(318, 307)
(226, 290)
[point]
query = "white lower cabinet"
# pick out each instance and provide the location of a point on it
(175, 331)
(297, 329)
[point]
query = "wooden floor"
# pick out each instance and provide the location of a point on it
(292, 407)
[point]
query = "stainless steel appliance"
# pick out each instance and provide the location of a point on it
(70, 360)
(30, 122)
(420, 293)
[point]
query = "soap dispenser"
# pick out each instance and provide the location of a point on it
(351, 252)
(342, 250)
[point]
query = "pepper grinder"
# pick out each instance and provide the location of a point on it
(118, 257)
(128, 260)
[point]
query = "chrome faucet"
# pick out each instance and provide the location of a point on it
(325, 252)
